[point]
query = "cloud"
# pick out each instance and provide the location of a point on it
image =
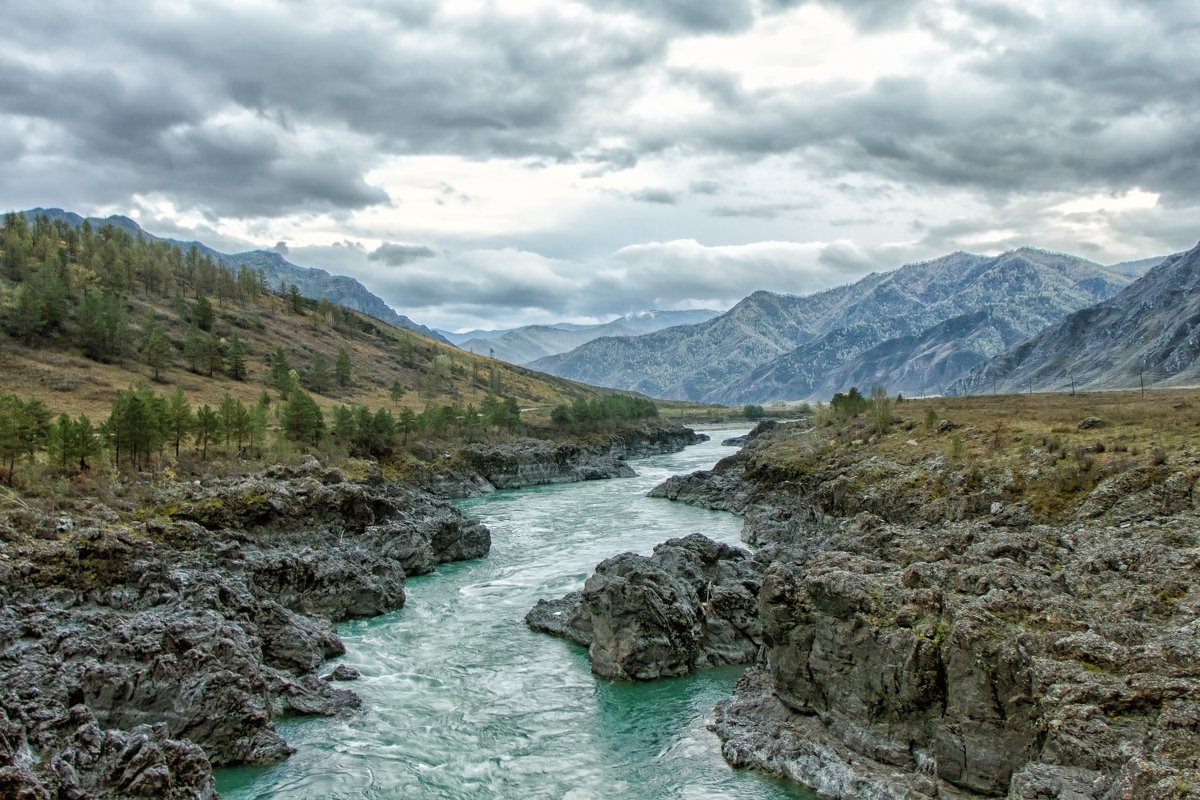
(281, 247)
(697, 17)
(653, 195)
(875, 130)
(397, 255)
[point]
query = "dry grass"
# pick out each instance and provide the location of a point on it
(56, 372)
(1023, 448)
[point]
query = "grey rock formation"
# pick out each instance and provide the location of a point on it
(690, 605)
(484, 468)
(939, 644)
(134, 656)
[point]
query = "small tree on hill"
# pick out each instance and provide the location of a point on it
(341, 368)
(156, 349)
(236, 361)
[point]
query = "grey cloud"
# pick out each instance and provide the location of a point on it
(613, 159)
(1092, 110)
(654, 195)
(874, 15)
(757, 210)
(705, 187)
(397, 255)
(153, 94)
(281, 247)
(728, 16)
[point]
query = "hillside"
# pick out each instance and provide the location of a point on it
(81, 308)
(313, 283)
(786, 347)
(531, 342)
(1145, 336)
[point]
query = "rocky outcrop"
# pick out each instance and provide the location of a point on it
(484, 468)
(924, 638)
(979, 661)
(136, 655)
(689, 605)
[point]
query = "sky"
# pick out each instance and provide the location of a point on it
(493, 163)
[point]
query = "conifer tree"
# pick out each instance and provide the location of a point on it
(236, 363)
(342, 368)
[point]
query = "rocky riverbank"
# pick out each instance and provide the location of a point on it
(924, 636)
(142, 645)
(478, 469)
(688, 606)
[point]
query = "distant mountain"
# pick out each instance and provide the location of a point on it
(525, 344)
(1148, 334)
(1141, 266)
(786, 347)
(312, 282)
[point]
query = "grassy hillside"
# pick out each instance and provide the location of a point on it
(89, 315)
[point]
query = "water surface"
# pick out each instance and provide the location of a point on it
(461, 700)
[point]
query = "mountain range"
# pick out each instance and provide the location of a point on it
(1149, 334)
(914, 330)
(312, 282)
(531, 342)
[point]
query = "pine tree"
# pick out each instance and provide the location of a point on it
(236, 363)
(302, 418)
(318, 375)
(342, 368)
(179, 418)
(156, 349)
(214, 356)
(207, 426)
(202, 313)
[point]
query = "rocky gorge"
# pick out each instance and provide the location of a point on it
(478, 469)
(927, 626)
(148, 638)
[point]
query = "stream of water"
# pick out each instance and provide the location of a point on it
(461, 700)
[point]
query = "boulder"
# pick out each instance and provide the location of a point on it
(689, 605)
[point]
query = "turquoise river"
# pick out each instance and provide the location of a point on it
(461, 700)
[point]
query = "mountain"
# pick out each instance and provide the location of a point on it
(312, 282)
(531, 342)
(1149, 334)
(773, 346)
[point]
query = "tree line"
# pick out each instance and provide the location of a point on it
(603, 413)
(143, 425)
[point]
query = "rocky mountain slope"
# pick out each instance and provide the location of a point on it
(785, 347)
(1147, 335)
(531, 342)
(312, 282)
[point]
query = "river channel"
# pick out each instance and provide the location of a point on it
(461, 700)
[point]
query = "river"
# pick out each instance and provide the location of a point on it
(461, 700)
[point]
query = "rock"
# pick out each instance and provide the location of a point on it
(563, 617)
(342, 672)
(483, 468)
(689, 605)
(136, 656)
(941, 644)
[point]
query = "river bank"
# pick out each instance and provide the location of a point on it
(143, 642)
(926, 636)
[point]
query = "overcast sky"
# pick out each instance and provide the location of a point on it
(489, 164)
